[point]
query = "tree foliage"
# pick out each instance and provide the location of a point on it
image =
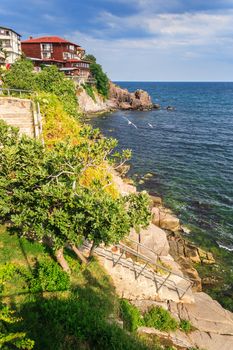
(21, 76)
(41, 194)
(102, 81)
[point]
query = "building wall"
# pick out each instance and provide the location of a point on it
(31, 50)
(35, 50)
(11, 44)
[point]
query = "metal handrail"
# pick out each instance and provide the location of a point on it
(143, 270)
(138, 269)
(145, 258)
(16, 90)
(143, 246)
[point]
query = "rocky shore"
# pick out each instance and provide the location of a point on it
(118, 99)
(212, 324)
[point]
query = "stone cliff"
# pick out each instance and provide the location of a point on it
(118, 99)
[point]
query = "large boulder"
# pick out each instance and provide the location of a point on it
(154, 238)
(123, 99)
(165, 219)
(168, 221)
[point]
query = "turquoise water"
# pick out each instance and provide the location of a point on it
(189, 151)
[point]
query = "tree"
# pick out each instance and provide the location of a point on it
(102, 81)
(41, 194)
(90, 58)
(20, 76)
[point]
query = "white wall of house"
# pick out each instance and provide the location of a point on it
(10, 42)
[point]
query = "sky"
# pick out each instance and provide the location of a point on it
(137, 40)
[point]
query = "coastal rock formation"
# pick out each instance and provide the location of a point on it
(123, 99)
(182, 248)
(165, 219)
(118, 99)
(212, 324)
(89, 105)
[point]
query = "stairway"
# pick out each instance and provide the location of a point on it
(142, 279)
(19, 113)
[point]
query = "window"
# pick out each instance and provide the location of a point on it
(6, 43)
(71, 47)
(46, 54)
(66, 55)
(47, 47)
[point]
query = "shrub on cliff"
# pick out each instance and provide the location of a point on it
(160, 319)
(53, 81)
(102, 81)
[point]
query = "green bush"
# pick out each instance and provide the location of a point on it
(50, 79)
(7, 271)
(160, 319)
(9, 339)
(130, 315)
(89, 91)
(47, 276)
(102, 81)
(185, 326)
(20, 76)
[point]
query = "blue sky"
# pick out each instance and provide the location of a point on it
(144, 40)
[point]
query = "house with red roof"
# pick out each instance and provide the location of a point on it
(67, 56)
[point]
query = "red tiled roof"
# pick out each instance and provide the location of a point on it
(73, 60)
(48, 39)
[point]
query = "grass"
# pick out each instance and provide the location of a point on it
(80, 317)
(19, 251)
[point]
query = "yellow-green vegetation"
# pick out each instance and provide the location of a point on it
(58, 125)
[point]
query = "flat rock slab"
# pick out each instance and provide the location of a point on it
(211, 341)
(205, 314)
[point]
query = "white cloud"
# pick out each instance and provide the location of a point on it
(185, 46)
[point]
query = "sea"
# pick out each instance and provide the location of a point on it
(188, 152)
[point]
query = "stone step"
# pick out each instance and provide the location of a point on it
(21, 115)
(150, 284)
(18, 112)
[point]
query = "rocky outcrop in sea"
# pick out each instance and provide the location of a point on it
(119, 99)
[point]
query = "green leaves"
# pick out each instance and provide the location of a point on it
(8, 338)
(102, 82)
(138, 210)
(20, 76)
